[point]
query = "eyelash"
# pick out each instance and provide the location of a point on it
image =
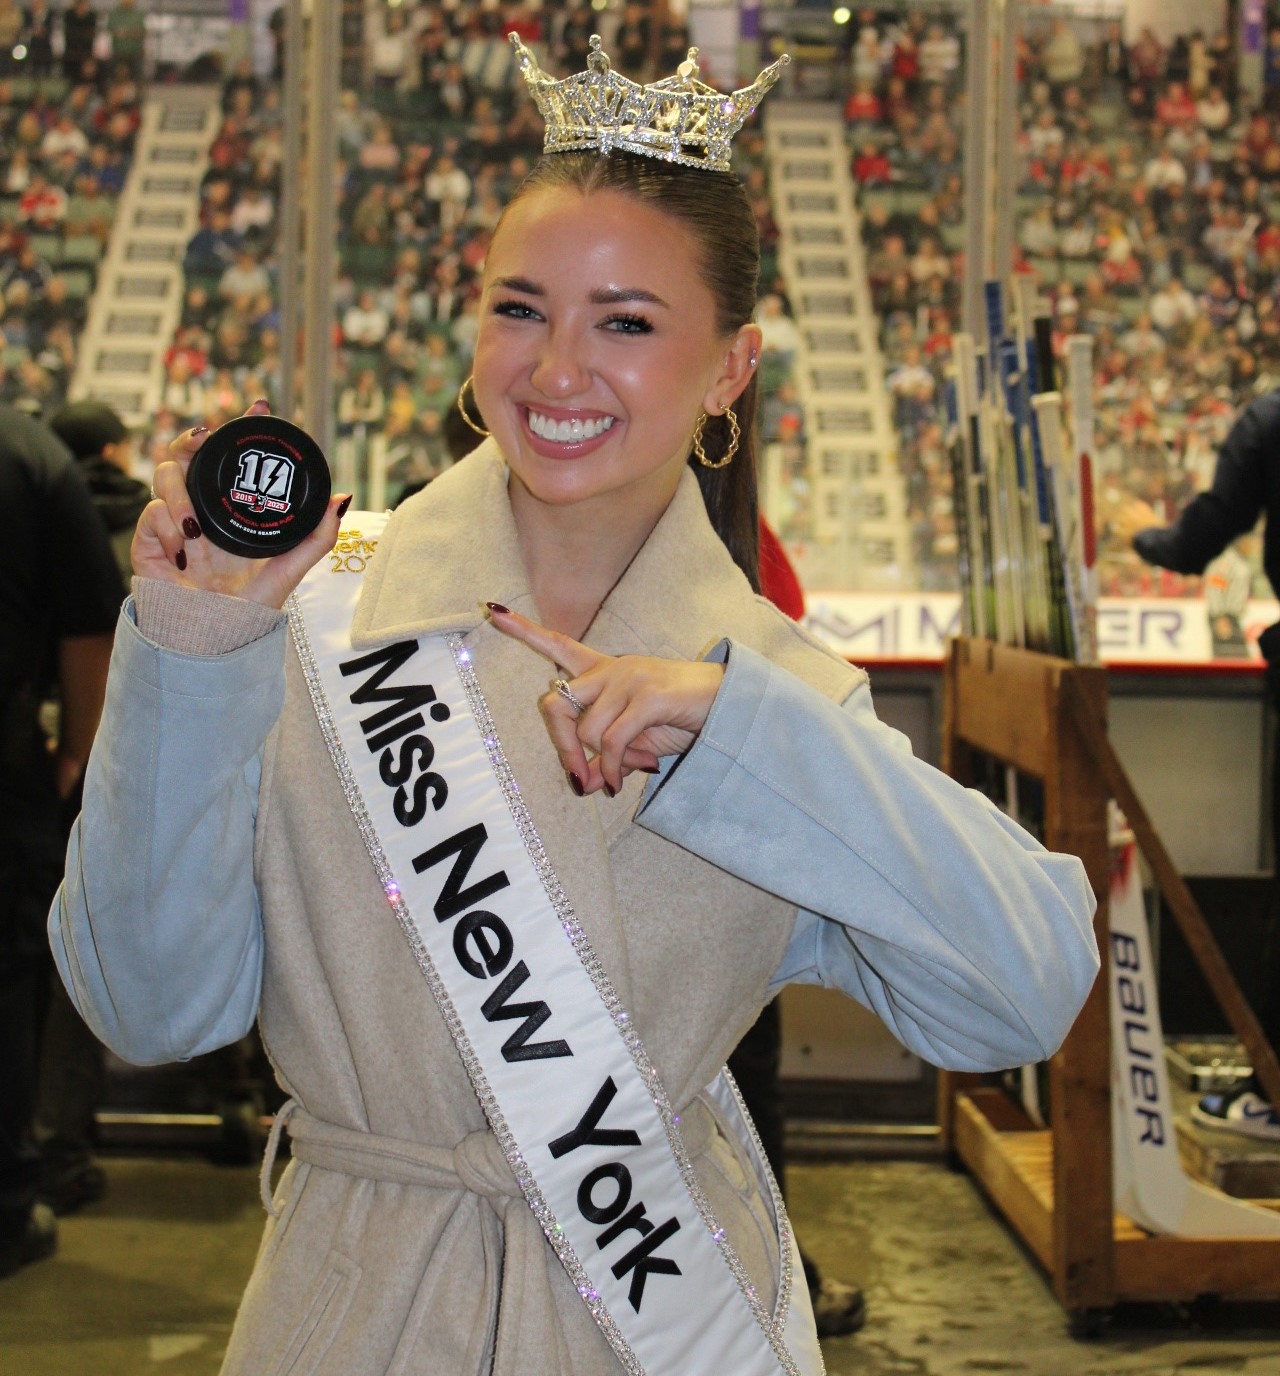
(626, 322)
(634, 324)
(518, 310)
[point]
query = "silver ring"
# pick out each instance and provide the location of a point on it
(562, 687)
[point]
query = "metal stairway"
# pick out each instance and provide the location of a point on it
(851, 530)
(138, 299)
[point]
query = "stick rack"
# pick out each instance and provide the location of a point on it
(1047, 718)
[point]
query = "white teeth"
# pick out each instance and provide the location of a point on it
(568, 431)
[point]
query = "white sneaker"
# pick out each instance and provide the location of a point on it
(1239, 1110)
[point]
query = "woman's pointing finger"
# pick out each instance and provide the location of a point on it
(558, 648)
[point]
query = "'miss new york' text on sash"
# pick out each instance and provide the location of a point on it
(581, 1115)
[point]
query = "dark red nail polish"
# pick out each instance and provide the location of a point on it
(498, 607)
(199, 430)
(262, 401)
(574, 782)
(610, 790)
(344, 504)
(650, 769)
(191, 528)
(180, 561)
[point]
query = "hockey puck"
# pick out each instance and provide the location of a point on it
(259, 485)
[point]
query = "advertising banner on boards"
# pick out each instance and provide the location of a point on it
(1131, 630)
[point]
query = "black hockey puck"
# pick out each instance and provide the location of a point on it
(259, 485)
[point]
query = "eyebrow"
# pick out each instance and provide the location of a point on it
(602, 296)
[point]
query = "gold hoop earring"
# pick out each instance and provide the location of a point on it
(735, 434)
(462, 407)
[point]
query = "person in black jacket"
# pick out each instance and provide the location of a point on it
(72, 1070)
(99, 440)
(60, 594)
(79, 32)
(1245, 487)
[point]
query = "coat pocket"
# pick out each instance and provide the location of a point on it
(326, 1308)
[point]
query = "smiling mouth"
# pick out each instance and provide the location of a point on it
(574, 431)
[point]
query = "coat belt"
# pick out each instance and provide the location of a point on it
(526, 1307)
(476, 1163)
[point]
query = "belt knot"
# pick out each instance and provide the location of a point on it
(481, 1167)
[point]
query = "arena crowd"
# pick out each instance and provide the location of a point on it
(427, 159)
(67, 127)
(1148, 212)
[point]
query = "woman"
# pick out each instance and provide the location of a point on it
(658, 795)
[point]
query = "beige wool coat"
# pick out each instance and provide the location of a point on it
(399, 1245)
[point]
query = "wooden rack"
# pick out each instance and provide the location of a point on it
(1047, 718)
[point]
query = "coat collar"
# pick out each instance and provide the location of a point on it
(453, 547)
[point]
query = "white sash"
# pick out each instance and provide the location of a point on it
(564, 1080)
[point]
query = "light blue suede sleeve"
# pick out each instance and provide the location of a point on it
(916, 896)
(157, 930)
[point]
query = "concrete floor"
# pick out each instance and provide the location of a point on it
(148, 1280)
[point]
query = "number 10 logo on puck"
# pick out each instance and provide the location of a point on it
(264, 481)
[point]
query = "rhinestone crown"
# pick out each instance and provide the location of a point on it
(679, 119)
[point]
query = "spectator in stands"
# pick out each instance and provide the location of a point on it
(402, 408)
(183, 392)
(390, 53)
(89, 209)
(1271, 71)
(380, 155)
(580, 24)
(230, 348)
(109, 168)
(253, 214)
(1213, 111)
(631, 41)
(929, 262)
(939, 57)
(1176, 106)
(42, 206)
(37, 34)
(1141, 339)
(352, 123)
(197, 307)
(212, 248)
(444, 297)
(780, 337)
(64, 137)
(868, 56)
(29, 269)
(243, 279)
(365, 324)
(17, 175)
(1038, 234)
(52, 307)
(1062, 58)
(361, 403)
(448, 187)
(863, 105)
(223, 397)
(127, 27)
(79, 33)
(871, 166)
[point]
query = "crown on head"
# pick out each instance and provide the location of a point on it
(679, 119)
